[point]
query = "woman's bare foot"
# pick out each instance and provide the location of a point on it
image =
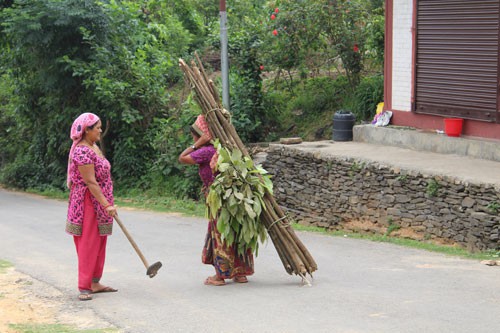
(85, 295)
(214, 281)
(99, 288)
(240, 279)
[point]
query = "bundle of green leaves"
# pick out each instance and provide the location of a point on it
(236, 200)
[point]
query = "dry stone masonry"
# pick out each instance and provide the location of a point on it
(340, 193)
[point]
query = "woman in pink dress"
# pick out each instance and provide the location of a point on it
(91, 204)
(227, 263)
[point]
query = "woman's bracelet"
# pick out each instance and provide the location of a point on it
(108, 205)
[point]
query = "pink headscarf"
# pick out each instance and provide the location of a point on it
(77, 129)
(201, 127)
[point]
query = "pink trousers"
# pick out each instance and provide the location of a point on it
(90, 248)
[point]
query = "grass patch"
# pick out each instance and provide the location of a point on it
(142, 200)
(4, 265)
(161, 204)
(50, 193)
(422, 245)
(54, 328)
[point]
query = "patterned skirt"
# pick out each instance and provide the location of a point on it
(228, 264)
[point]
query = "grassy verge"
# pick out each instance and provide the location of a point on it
(54, 328)
(422, 245)
(4, 265)
(142, 200)
(162, 204)
(50, 193)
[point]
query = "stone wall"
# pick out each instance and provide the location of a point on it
(340, 193)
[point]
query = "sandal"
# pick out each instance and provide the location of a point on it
(214, 281)
(240, 279)
(85, 296)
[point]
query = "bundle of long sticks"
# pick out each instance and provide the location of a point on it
(293, 254)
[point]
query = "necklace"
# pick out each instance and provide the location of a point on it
(88, 143)
(94, 147)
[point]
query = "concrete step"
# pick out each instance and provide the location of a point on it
(427, 141)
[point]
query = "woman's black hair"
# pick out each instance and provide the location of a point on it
(193, 131)
(93, 125)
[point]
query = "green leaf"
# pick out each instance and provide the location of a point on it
(250, 211)
(228, 193)
(223, 166)
(221, 227)
(224, 217)
(257, 207)
(230, 239)
(236, 156)
(249, 163)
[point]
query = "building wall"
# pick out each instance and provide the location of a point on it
(402, 55)
(399, 75)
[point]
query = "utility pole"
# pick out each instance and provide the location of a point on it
(224, 55)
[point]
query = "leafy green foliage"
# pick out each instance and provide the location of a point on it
(171, 137)
(432, 188)
(68, 57)
(235, 199)
(368, 94)
(375, 36)
(132, 87)
(37, 35)
(308, 36)
(310, 111)
(320, 95)
(494, 207)
(246, 93)
(293, 34)
(118, 59)
(11, 131)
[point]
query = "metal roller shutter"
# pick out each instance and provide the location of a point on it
(457, 58)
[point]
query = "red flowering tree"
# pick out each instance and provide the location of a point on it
(309, 35)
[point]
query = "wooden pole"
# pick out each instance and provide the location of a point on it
(293, 254)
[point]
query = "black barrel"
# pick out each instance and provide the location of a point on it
(343, 122)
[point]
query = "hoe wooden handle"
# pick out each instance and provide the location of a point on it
(131, 240)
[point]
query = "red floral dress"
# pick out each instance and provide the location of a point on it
(228, 264)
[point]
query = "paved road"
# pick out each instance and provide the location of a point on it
(361, 286)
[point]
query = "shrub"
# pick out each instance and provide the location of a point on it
(368, 94)
(171, 137)
(320, 95)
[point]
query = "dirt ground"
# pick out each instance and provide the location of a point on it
(25, 300)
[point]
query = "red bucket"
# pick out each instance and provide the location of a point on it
(453, 126)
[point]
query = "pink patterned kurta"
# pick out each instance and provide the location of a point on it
(84, 155)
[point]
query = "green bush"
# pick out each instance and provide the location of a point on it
(309, 112)
(320, 95)
(171, 137)
(368, 94)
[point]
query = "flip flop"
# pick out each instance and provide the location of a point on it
(214, 281)
(240, 279)
(85, 296)
(105, 290)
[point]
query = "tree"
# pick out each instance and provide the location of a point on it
(73, 56)
(38, 34)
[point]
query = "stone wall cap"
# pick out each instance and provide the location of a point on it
(463, 168)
